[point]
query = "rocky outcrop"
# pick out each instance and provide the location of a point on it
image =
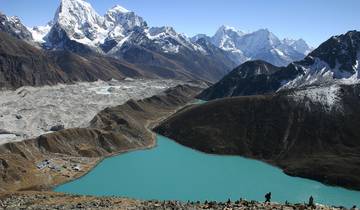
(298, 131)
(114, 130)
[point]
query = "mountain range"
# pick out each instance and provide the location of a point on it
(334, 61)
(258, 45)
(155, 52)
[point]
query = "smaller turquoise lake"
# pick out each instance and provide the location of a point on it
(174, 172)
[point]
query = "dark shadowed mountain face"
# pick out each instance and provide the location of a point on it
(341, 52)
(310, 133)
(250, 78)
(23, 64)
(334, 61)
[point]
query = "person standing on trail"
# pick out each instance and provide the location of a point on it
(311, 202)
(267, 197)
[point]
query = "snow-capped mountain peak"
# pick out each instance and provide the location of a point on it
(261, 44)
(226, 37)
(77, 12)
(229, 29)
(119, 9)
(83, 24)
(39, 32)
(80, 21)
(119, 16)
(257, 41)
(299, 45)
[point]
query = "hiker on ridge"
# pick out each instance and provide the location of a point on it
(267, 197)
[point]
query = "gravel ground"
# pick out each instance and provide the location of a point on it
(31, 111)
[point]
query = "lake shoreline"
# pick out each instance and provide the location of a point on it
(172, 171)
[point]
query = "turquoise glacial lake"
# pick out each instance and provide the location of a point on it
(173, 172)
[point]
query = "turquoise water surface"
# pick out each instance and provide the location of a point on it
(172, 171)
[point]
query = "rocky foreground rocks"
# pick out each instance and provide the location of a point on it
(49, 200)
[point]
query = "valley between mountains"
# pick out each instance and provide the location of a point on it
(86, 87)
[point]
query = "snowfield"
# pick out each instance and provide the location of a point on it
(327, 96)
(31, 111)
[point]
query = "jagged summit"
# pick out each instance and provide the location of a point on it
(77, 11)
(79, 21)
(123, 18)
(299, 45)
(226, 28)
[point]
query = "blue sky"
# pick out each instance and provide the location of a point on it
(313, 20)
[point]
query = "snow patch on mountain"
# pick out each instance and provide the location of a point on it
(328, 96)
(39, 33)
(321, 73)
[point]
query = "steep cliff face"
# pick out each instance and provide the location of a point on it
(309, 133)
(113, 131)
